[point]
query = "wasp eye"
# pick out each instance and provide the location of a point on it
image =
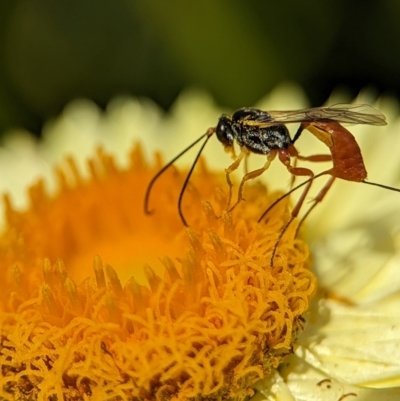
(224, 131)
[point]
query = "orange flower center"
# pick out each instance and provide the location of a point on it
(172, 313)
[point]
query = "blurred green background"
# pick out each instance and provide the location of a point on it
(53, 51)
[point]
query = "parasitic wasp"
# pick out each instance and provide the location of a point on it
(266, 133)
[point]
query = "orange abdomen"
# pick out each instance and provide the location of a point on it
(347, 160)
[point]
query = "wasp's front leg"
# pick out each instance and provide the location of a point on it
(251, 175)
(234, 166)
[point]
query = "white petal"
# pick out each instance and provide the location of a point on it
(273, 388)
(309, 384)
(356, 344)
(20, 165)
(73, 133)
(361, 264)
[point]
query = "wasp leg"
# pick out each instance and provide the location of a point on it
(285, 195)
(311, 158)
(246, 165)
(228, 171)
(316, 158)
(250, 176)
(318, 199)
(284, 157)
(293, 177)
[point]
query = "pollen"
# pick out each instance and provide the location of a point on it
(99, 301)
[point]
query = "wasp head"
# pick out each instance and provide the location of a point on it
(224, 130)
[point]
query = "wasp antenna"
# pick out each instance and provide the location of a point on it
(208, 134)
(281, 234)
(381, 186)
(169, 164)
(281, 198)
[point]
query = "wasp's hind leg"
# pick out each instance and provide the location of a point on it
(318, 199)
(284, 157)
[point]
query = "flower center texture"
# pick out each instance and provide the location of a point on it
(99, 301)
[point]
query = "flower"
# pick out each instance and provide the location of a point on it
(100, 301)
(350, 344)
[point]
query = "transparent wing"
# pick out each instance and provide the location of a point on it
(342, 113)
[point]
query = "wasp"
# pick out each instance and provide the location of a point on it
(266, 133)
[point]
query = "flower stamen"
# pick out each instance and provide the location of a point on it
(204, 322)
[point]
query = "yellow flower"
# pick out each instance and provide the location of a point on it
(99, 301)
(169, 312)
